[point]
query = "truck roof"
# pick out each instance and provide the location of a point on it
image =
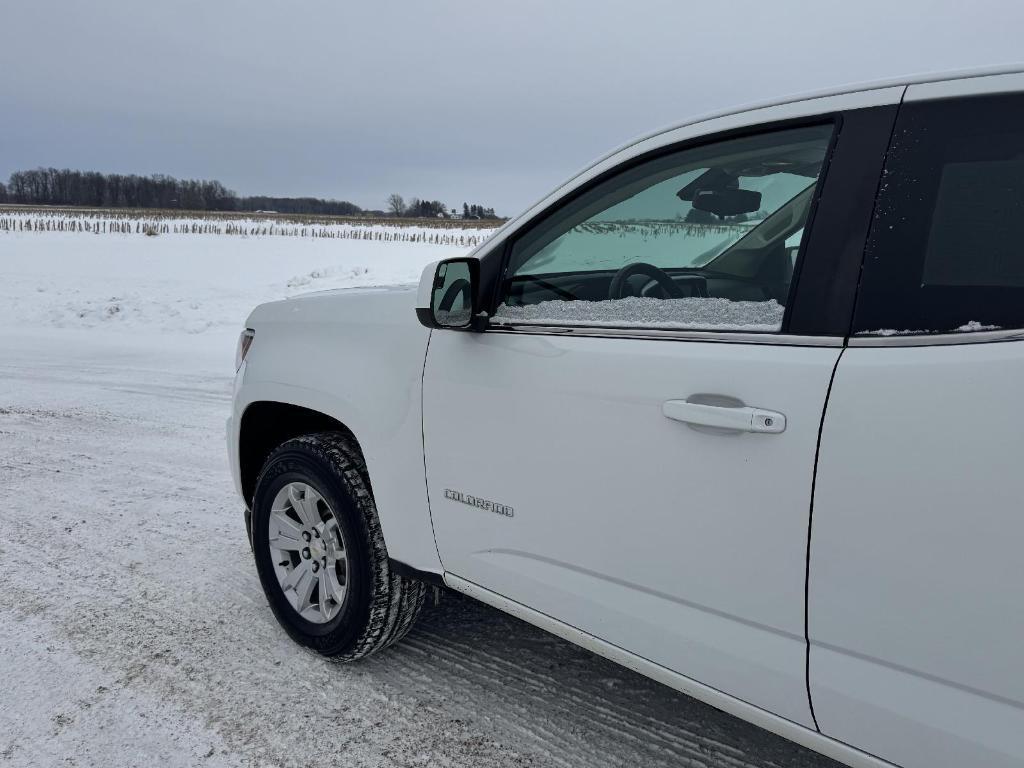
(869, 85)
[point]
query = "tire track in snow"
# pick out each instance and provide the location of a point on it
(544, 680)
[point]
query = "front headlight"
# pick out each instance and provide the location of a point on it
(244, 342)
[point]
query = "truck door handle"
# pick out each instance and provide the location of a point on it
(736, 419)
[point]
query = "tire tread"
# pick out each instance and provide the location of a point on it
(396, 601)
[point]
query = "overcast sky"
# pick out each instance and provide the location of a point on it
(488, 102)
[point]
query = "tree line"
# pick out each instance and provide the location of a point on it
(311, 205)
(52, 186)
(433, 209)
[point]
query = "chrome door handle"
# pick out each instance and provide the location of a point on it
(736, 419)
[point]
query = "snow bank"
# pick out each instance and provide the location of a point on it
(635, 311)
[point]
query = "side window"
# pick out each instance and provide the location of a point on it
(703, 238)
(943, 256)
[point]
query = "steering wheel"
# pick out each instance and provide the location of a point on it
(457, 287)
(621, 280)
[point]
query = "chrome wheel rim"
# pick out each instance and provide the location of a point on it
(307, 548)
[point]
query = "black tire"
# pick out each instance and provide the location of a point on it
(380, 606)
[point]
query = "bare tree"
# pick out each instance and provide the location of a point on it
(396, 205)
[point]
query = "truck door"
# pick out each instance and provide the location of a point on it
(630, 447)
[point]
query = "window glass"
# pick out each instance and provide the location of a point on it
(701, 238)
(943, 254)
(978, 205)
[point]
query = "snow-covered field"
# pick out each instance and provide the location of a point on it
(189, 283)
(133, 631)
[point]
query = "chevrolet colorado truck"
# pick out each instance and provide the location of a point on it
(735, 407)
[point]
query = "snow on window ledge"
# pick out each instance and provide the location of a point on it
(971, 327)
(974, 326)
(691, 313)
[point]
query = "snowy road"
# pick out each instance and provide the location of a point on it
(133, 630)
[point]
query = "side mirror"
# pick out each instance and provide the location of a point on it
(447, 296)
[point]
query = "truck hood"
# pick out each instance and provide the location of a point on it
(387, 305)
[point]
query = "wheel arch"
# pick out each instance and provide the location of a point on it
(265, 424)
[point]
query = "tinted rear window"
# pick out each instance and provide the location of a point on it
(945, 251)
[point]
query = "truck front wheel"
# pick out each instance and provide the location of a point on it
(320, 553)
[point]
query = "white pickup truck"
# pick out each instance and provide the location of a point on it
(738, 407)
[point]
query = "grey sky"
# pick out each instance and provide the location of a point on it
(480, 102)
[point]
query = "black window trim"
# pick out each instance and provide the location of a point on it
(670, 334)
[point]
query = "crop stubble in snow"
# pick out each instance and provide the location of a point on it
(133, 628)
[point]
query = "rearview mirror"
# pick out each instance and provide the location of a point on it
(447, 296)
(727, 202)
